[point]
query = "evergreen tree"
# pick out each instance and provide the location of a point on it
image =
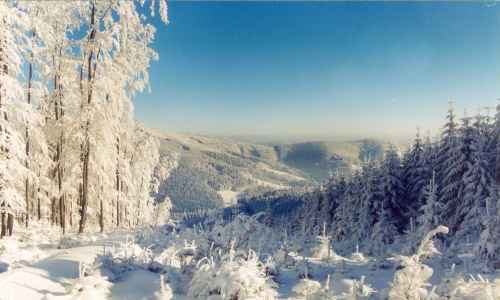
(493, 145)
(392, 206)
(384, 230)
(477, 184)
(415, 176)
(335, 193)
(488, 247)
(454, 161)
(456, 184)
(429, 212)
(346, 215)
(371, 199)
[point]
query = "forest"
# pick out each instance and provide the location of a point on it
(70, 147)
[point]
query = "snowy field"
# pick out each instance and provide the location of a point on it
(240, 260)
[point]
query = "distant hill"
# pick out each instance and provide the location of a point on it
(322, 159)
(209, 172)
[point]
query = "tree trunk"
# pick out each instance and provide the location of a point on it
(117, 214)
(27, 162)
(62, 214)
(101, 215)
(62, 206)
(70, 212)
(53, 211)
(4, 225)
(10, 224)
(85, 186)
(86, 146)
(39, 206)
(27, 181)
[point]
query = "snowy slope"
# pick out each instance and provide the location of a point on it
(132, 265)
(209, 172)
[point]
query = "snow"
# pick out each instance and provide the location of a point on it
(132, 264)
(287, 175)
(229, 197)
(49, 277)
(134, 285)
(265, 183)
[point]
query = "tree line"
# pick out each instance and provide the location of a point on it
(453, 180)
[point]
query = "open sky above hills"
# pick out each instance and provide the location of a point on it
(321, 68)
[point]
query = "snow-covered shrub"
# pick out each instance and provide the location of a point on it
(154, 235)
(178, 255)
(72, 241)
(247, 233)
(410, 282)
(358, 257)
(306, 287)
(283, 256)
(26, 245)
(165, 292)
(322, 248)
(232, 279)
(127, 257)
(337, 289)
(474, 289)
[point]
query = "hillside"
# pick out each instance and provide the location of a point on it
(322, 159)
(210, 172)
(207, 172)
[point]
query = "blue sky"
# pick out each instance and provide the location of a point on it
(320, 68)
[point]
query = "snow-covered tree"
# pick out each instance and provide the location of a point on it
(411, 280)
(451, 182)
(429, 212)
(488, 246)
(69, 73)
(415, 175)
(13, 171)
(371, 201)
(392, 185)
(477, 186)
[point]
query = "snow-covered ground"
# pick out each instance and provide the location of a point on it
(229, 197)
(219, 263)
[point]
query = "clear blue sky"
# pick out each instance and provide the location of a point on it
(320, 68)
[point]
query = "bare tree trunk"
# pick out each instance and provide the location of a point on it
(39, 206)
(85, 185)
(71, 214)
(117, 214)
(27, 181)
(10, 224)
(53, 211)
(62, 214)
(62, 205)
(4, 225)
(101, 215)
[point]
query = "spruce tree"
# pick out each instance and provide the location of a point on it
(392, 190)
(477, 182)
(452, 169)
(428, 218)
(488, 247)
(371, 199)
(415, 176)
